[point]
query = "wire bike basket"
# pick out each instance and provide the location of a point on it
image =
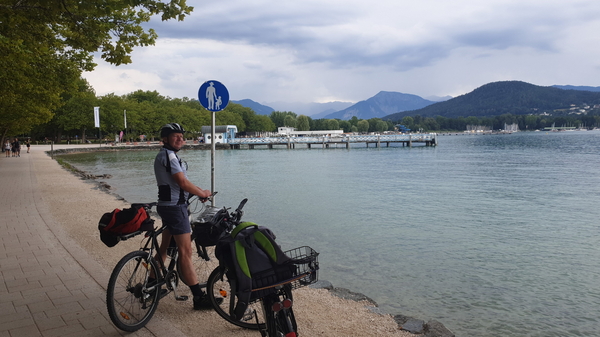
(301, 271)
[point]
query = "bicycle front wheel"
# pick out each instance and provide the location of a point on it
(204, 267)
(130, 306)
(222, 298)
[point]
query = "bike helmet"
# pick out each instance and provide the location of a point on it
(170, 128)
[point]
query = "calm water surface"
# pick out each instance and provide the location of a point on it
(491, 235)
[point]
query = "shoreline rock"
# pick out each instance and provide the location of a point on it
(416, 326)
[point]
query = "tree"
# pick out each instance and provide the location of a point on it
(111, 115)
(261, 123)
(45, 45)
(77, 112)
(531, 122)
(363, 126)
(289, 121)
(227, 117)
(332, 124)
(408, 122)
(303, 123)
(254, 122)
(346, 126)
(430, 124)
(278, 117)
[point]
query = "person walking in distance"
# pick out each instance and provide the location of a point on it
(7, 148)
(17, 146)
(173, 190)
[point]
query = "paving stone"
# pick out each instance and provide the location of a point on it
(45, 289)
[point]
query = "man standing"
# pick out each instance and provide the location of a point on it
(173, 190)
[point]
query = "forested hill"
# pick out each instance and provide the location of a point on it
(497, 98)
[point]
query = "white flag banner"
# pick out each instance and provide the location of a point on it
(97, 116)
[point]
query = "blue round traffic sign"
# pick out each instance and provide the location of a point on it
(213, 96)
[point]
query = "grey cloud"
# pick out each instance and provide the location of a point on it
(313, 34)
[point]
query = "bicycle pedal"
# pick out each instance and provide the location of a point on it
(182, 298)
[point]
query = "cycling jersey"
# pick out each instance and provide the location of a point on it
(166, 164)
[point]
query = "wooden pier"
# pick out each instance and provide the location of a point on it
(427, 139)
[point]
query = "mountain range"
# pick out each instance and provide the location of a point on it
(513, 97)
(491, 99)
(314, 110)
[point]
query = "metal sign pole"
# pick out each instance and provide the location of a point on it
(213, 96)
(213, 145)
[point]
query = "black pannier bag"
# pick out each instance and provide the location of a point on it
(209, 227)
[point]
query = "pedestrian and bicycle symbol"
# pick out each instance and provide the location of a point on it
(213, 96)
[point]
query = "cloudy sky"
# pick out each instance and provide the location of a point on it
(349, 50)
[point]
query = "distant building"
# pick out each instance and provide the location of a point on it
(402, 128)
(222, 133)
(511, 127)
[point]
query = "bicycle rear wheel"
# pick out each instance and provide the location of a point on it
(282, 322)
(222, 298)
(129, 305)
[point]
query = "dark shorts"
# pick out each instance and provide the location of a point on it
(176, 218)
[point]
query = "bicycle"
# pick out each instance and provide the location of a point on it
(131, 297)
(270, 309)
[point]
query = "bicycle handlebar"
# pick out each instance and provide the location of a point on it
(209, 198)
(239, 208)
(237, 214)
(191, 196)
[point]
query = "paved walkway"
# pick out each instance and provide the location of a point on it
(49, 286)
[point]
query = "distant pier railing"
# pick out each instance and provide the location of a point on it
(427, 139)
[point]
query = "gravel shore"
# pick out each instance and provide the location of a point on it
(77, 205)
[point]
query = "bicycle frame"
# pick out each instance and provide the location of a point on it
(135, 285)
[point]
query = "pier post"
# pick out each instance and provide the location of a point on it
(410, 140)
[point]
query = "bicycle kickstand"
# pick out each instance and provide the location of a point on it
(181, 298)
(263, 332)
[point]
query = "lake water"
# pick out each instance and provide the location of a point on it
(490, 235)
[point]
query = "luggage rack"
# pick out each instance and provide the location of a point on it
(301, 271)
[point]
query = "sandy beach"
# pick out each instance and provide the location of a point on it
(76, 205)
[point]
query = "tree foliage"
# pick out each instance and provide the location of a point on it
(146, 112)
(303, 123)
(278, 117)
(45, 45)
(524, 122)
